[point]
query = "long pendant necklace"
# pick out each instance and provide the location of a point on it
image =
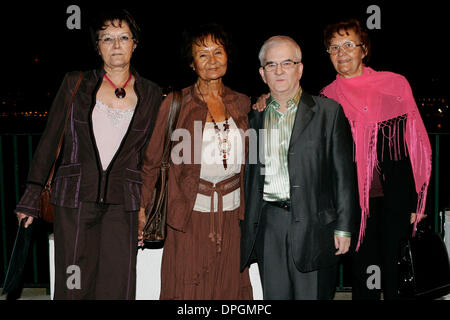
(224, 143)
(120, 92)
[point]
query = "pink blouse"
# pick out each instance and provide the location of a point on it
(110, 126)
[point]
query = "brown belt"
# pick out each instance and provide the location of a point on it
(222, 188)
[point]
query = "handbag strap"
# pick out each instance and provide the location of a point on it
(61, 138)
(171, 123)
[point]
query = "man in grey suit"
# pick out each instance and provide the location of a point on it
(300, 195)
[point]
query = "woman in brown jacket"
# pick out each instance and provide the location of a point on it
(201, 252)
(96, 186)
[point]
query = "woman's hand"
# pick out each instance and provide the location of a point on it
(260, 104)
(414, 217)
(29, 219)
(141, 225)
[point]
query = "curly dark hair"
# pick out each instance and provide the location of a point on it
(342, 28)
(199, 34)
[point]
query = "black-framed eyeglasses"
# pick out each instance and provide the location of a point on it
(109, 40)
(271, 66)
(347, 46)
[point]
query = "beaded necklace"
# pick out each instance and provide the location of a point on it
(224, 143)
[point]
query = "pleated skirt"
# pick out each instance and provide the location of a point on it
(194, 269)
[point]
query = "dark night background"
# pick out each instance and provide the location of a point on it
(38, 49)
(412, 41)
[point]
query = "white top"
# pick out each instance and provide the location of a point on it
(212, 169)
(110, 126)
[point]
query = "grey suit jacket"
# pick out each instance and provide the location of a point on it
(322, 184)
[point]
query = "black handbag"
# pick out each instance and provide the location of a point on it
(14, 274)
(424, 266)
(154, 232)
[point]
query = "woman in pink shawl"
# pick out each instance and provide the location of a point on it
(392, 154)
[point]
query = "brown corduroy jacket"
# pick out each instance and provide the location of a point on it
(184, 177)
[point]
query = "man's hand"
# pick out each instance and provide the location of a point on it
(260, 104)
(29, 219)
(342, 244)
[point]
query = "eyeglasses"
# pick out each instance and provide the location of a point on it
(109, 40)
(285, 65)
(347, 46)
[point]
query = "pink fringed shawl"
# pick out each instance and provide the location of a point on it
(369, 102)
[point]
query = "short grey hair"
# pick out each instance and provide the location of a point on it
(276, 40)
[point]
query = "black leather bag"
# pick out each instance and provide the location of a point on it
(154, 232)
(14, 274)
(424, 266)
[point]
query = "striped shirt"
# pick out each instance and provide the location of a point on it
(278, 135)
(279, 129)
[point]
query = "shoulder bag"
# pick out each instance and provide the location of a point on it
(154, 232)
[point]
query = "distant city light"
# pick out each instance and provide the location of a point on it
(434, 110)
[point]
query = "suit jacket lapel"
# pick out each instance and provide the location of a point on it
(257, 123)
(303, 116)
(262, 151)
